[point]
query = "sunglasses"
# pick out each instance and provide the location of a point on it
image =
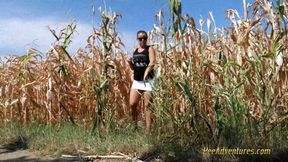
(141, 39)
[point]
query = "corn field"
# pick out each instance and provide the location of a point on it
(220, 86)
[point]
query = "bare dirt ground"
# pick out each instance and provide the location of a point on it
(10, 154)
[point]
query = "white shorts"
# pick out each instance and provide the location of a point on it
(141, 85)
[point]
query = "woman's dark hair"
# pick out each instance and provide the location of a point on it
(142, 31)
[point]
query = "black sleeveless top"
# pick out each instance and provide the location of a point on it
(140, 63)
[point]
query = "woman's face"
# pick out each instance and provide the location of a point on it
(142, 39)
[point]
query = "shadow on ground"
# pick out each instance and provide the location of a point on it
(18, 144)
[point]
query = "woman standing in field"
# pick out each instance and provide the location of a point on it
(142, 64)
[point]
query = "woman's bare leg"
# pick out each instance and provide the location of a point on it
(147, 102)
(135, 96)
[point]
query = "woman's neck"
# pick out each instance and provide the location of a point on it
(142, 47)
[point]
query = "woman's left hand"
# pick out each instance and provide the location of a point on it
(145, 77)
(146, 72)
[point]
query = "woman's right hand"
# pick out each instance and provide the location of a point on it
(129, 60)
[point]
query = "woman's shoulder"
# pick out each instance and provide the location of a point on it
(150, 48)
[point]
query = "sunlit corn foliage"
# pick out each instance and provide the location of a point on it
(214, 86)
(224, 86)
(56, 86)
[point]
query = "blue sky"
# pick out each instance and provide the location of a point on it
(23, 23)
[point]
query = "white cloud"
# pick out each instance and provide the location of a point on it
(18, 35)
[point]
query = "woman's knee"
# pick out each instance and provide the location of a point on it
(133, 104)
(134, 98)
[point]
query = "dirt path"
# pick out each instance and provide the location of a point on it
(8, 154)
